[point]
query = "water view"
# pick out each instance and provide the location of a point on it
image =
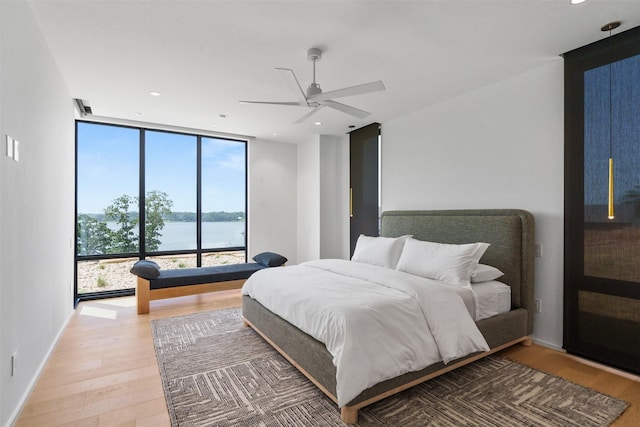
(182, 235)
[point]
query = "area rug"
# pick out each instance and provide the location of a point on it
(217, 372)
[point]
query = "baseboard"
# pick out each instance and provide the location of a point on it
(16, 413)
(547, 344)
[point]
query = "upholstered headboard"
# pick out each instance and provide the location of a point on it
(511, 233)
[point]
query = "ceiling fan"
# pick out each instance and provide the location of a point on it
(314, 98)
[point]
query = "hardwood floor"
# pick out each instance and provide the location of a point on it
(103, 371)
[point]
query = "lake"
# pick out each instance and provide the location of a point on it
(182, 235)
(178, 235)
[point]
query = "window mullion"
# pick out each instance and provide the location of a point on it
(142, 198)
(199, 202)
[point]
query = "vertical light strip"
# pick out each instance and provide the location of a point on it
(610, 214)
(351, 202)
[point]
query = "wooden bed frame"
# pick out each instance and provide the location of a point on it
(511, 235)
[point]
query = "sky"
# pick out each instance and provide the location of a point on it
(109, 162)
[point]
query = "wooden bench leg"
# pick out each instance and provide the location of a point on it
(143, 291)
(527, 343)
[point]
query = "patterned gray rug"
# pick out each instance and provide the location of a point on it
(216, 372)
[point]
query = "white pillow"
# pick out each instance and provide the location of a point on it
(382, 251)
(485, 273)
(452, 264)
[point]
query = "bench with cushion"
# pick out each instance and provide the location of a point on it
(154, 283)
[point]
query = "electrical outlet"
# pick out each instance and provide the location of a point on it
(538, 303)
(14, 363)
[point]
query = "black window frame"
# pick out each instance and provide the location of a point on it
(142, 253)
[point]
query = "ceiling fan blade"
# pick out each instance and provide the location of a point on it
(361, 114)
(290, 79)
(349, 91)
(270, 103)
(306, 116)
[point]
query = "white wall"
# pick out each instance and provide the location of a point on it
(2, 352)
(36, 205)
(273, 198)
(323, 210)
(309, 199)
(498, 147)
(334, 196)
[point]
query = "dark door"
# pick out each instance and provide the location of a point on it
(364, 182)
(602, 243)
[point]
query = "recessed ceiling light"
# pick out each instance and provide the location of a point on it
(576, 1)
(154, 93)
(275, 134)
(138, 113)
(317, 123)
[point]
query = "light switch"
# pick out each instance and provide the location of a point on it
(16, 151)
(9, 146)
(538, 250)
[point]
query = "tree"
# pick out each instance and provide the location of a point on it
(123, 239)
(157, 208)
(94, 237)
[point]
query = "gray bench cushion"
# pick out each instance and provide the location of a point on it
(196, 276)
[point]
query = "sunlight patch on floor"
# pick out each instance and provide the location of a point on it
(118, 302)
(103, 313)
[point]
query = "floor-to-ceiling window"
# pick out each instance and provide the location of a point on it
(192, 188)
(602, 201)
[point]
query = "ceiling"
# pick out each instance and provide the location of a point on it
(205, 56)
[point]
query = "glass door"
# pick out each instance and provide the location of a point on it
(602, 202)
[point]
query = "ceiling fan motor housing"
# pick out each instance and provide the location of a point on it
(313, 89)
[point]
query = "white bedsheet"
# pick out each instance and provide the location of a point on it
(492, 298)
(377, 323)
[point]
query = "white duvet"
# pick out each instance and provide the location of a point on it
(376, 322)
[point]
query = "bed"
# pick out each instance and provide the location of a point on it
(510, 234)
